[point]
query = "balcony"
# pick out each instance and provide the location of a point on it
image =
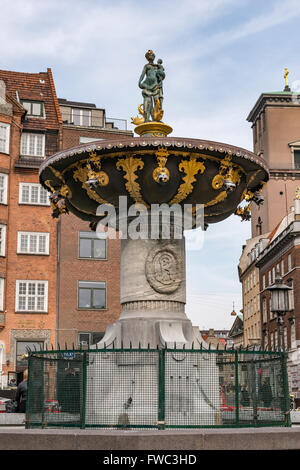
(27, 161)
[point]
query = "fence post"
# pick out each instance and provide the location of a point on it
(161, 389)
(287, 414)
(84, 384)
(28, 400)
(236, 363)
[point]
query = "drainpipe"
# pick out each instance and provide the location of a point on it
(58, 278)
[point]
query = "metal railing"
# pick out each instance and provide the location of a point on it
(157, 388)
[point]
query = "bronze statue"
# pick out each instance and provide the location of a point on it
(152, 90)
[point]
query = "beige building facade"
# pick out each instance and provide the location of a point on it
(249, 277)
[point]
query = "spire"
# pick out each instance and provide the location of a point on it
(233, 313)
(285, 76)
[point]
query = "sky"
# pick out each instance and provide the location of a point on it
(219, 56)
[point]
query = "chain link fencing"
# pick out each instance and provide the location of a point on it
(162, 388)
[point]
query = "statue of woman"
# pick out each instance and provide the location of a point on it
(151, 83)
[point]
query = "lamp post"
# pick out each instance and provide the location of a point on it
(279, 302)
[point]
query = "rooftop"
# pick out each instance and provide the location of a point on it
(34, 87)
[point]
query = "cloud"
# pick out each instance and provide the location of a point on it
(216, 62)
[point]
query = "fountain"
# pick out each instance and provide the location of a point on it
(208, 180)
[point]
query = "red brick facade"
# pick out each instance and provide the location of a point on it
(39, 289)
(21, 324)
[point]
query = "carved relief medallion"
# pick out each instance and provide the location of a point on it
(163, 270)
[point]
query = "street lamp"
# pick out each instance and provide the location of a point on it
(279, 302)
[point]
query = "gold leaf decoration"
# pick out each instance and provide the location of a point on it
(81, 174)
(190, 167)
(130, 165)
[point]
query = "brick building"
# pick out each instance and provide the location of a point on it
(275, 238)
(89, 268)
(49, 268)
(282, 254)
(30, 130)
(249, 277)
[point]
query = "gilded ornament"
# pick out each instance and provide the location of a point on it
(48, 183)
(130, 165)
(190, 167)
(161, 174)
(243, 212)
(65, 191)
(81, 174)
(227, 172)
(297, 193)
(139, 120)
(57, 173)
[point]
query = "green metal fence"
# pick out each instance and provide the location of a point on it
(162, 388)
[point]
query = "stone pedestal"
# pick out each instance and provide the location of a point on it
(153, 296)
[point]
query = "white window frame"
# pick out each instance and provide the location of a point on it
(31, 103)
(31, 186)
(289, 259)
(282, 267)
(3, 190)
(2, 239)
(6, 126)
(79, 112)
(34, 296)
(1, 294)
(38, 243)
(86, 140)
(27, 152)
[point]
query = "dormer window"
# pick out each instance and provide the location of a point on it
(81, 117)
(34, 108)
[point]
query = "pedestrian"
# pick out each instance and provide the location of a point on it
(245, 399)
(266, 393)
(21, 393)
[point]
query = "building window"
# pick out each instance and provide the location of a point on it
(264, 282)
(31, 296)
(284, 339)
(264, 309)
(33, 243)
(3, 188)
(276, 339)
(4, 137)
(91, 295)
(291, 294)
(289, 259)
(89, 338)
(81, 117)
(92, 245)
(2, 239)
(273, 275)
(1, 294)
(87, 140)
(293, 336)
(269, 278)
(33, 144)
(282, 268)
(33, 193)
(34, 108)
(272, 340)
(297, 158)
